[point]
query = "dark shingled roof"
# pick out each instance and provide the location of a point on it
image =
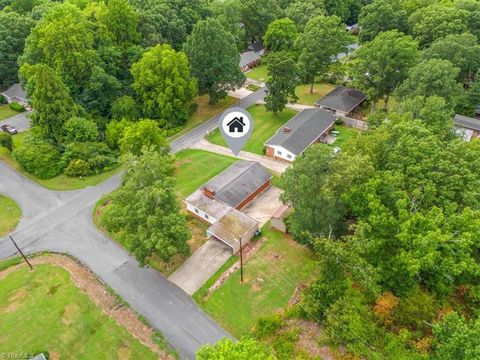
(305, 128)
(253, 53)
(237, 182)
(467, 122)
(342, 99)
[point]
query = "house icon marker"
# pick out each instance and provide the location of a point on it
(236, 125)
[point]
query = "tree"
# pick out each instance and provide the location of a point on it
(281, 35)
(256, 15)
(114, 132)
(139, 135)
(214, 59)
(346, 10)
(100, 92)
(469, 100)
(323, 38)
(437, 21)
(463, 51)
(120, 22)
(146, 209)
(81, 130)
(281, 82)
(300, 11)
(162, 81)
(382, 64)
(228, 12)
(473, 9)
(51, 100)
(14, 29)
(6, 141)
(245, 349)
(125, 107)
(63, 40)
(431, 77)
(380, 16)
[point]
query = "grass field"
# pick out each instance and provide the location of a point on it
(259, 73)
(204, 112)
(6, 112)
(60, 182)
(265, 125)
(271, 277)
(307, 98)
(345, 134)
(10, 214)
(42, 310)
(196, 167)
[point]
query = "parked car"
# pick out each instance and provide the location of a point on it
(9, 129)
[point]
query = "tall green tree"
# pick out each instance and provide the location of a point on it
(431, 77)
(256, 15)
(281, 82)
(301, 11)
(281, 35)
(380, 16)
(125, 107)
(383, 64)
(463, 51)
(120, 22)
(163, 82)
(146, 209)
(51, 100)
(214, 59)
(228, 12)
(14, 29)
(323, 38)
(347, 10)
(144, 133)
(469, 100)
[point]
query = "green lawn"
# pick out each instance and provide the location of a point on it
(204, 112)
(345, 134)
(6, 112)
(10, 214)
(258, 73)
(60, 182)
(271, 278)
(319, 90)
(42, 310)
(195, 167)
(265, 125)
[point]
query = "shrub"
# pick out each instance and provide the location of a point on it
(115, 131)
(96, 154)
(17, 107)
(102, 163)
(78, 168)
(268, 325)
(2, 99)
(42, 159)
(6, 141)
(125, 107)
(144, 133)
(80, 130)
(416, 310)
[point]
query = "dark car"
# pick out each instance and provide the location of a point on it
(9, 129)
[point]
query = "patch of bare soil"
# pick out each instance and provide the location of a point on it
(310, 332)
(70, 313)
(180, 163)
(86, 281)
(15, 301)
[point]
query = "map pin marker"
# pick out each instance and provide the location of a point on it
(236, 125)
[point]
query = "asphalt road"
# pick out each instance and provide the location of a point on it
(62, 222)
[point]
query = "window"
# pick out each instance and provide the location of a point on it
(196, 210)
(289, 156)
(279, 152)
(206, 216)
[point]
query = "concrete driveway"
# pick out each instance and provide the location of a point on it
(201, 266)
(264, 205)
(20, 121)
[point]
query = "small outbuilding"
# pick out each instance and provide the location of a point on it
(306, 128)
(467, 127)
(341, 101)
(16, 93)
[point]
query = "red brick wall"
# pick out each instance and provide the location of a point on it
(252, 195)
(269, 151)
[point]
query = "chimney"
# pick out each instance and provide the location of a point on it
(287, 129)
(209, 193)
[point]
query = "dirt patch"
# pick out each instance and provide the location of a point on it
(53, 355)
(86, 281)
(180, 163)
(257, 285)
(310, 332)
(15, 300)
(124, 352)
(70, 313)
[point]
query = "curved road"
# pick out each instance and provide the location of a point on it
(62, 222)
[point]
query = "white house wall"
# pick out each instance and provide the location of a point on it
(282, 153)
(210, 219)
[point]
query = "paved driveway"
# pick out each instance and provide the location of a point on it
(264, 205)
(201, 266)
(20, 121)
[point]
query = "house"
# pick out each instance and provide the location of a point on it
(306, 128)
(219, 201)
(251, 56)
(15, 93)
(467, 127)
(236, 125)
(341, 100)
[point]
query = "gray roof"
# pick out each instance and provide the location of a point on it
(467, 122)
(232, 226)
(305, 128)
(39, 357)
(253, 53)
(16, 91)
(237, 182)
(342, 99)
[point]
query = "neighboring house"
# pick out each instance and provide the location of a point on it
(220, 200)
(306, 128)
(341, 100)
(236, 125)
(15, 93)
(467, 127)
(251, 57)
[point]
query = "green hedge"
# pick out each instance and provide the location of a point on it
(17, 107)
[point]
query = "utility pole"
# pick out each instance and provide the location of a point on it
(241, 261)
(21, 253)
